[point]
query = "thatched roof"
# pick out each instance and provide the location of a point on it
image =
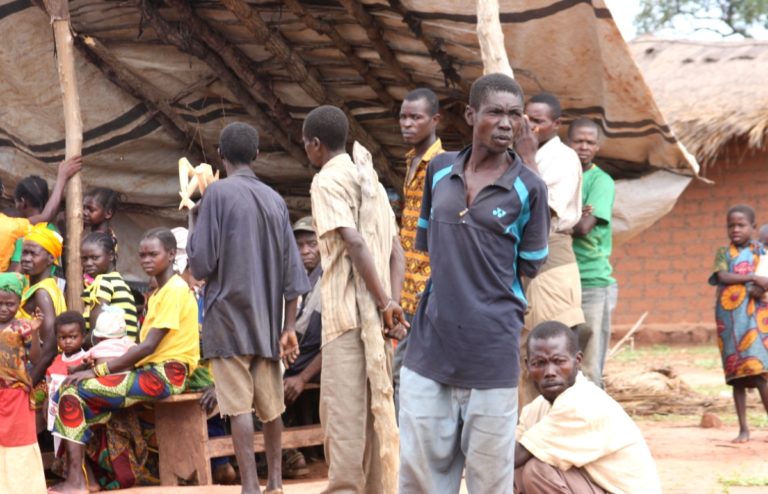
(710, 92)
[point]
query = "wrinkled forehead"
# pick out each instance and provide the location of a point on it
(548, 347)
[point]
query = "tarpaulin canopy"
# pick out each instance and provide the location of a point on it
(159, 80)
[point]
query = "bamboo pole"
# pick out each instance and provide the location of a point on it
(73, 127)
(491, 38)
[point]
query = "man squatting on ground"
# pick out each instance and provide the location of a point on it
(362, 279)
(574, 438)
(243, 246)
(484, 222)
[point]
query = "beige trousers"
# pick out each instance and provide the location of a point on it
(351, 446)
(537, 477)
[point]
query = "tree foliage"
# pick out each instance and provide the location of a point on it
(726, 17)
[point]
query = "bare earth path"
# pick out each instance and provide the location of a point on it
(691, 460)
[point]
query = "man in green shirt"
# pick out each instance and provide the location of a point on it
(592, 246)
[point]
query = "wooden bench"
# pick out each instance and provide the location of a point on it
(185, 449)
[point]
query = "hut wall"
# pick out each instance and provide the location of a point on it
(664, 270)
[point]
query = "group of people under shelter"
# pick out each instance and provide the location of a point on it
(466, 342)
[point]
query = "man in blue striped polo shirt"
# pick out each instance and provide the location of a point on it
(484, 222)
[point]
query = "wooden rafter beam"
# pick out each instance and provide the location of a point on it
(360, 65)
(374, 32)
(434, 46)
(189, 44)
(158, 102)
(258, 84)
(308, 79)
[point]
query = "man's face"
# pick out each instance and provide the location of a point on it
(309, 249)
(585, 141)
(497, 122)
(551, 366)
(416, 122)
(312, 148)
(542, 124)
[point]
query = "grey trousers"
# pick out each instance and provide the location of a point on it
(598, 305)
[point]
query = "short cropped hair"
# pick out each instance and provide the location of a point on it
(584, 123)
(743, 209)
(329, 125)
(551, 101)
(164, 235)
(33, 189)
(239, 143)
(493, 83)
(433, 103)
(553, 329)
(69, 317)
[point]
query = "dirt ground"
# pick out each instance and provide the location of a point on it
(690, 459)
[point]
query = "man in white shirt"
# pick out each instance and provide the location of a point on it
(555, 294)
(574, 438)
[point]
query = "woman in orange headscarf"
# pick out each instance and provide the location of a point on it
(42, 247)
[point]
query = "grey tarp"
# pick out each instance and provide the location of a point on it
(569, 47)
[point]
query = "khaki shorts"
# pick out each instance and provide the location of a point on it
(249, 384)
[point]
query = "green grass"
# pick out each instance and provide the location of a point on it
(662, 351)
(738, 481)
(712, 390)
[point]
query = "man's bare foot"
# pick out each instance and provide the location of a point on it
(743, 437)
(68, 488)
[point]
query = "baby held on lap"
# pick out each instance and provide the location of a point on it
(110, 338)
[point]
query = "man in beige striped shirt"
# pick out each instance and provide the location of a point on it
(363, 267)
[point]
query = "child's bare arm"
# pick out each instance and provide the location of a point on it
(71, 369)
(726, 278)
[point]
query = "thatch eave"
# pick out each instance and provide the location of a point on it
(712, 93)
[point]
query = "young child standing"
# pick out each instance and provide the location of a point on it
(99, 207)
(70, 334)
(742, 335)
(103, 284)
(21, 465)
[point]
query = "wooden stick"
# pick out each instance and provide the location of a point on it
(365, 70)
(635, 328)
(434, 46)
(491, 37)
(73, 128)
(308, 79)
(271, 127)
(152, 96)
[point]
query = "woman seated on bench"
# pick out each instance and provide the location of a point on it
(154, 369)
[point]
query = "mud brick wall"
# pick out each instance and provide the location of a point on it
(664, 270)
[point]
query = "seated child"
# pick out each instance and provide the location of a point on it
(20, 459)
(70, 333)
(103, 284)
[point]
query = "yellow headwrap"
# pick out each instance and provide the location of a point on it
(47, 239)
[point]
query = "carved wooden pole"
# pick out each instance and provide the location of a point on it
(491, 38)
(73, 127)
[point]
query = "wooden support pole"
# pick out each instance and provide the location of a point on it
(308, 80)
(491, 38)
(73, 127)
